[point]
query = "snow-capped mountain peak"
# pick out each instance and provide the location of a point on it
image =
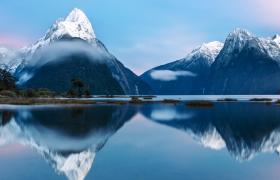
(77, 20)
(234, 43)
(75, 25)
(207, 50)
(242, 33)
(77, 15)
(237, 39)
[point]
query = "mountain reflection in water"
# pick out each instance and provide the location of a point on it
(245, 129)
(69, 138)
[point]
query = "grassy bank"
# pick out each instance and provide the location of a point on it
(43, 101)
(128, 100)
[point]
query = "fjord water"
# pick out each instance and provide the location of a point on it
(152, 141)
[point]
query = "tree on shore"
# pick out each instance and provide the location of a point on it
(7, 81)
(78, 85)
(78, 88)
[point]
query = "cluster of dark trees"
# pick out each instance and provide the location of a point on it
(78, 89)
(8, 88)
(7, 81)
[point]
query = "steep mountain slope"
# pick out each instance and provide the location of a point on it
(246, 65)
(59, 72)
(185, 76)
(75, 27)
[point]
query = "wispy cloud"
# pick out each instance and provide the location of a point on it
(167, 75)
(13, 41)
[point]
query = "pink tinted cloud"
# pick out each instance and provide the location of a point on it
(11, 150)
(266, 11)
(12, 41)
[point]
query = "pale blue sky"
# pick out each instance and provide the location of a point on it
(143, 33)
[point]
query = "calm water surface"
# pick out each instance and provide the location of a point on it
(153, 141)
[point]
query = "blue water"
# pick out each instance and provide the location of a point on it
(152, 141)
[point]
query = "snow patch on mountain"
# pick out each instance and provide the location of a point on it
(271, 47)
(208, 51)
(168, 75)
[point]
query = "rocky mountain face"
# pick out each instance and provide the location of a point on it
(70, 46)
(246, 65)
(186, 76)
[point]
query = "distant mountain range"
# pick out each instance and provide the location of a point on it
(244, 64)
